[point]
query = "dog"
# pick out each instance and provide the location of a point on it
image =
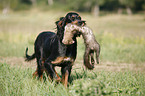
(50, 51)
(91, 45)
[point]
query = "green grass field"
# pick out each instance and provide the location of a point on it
(18, 82)
(121, 71)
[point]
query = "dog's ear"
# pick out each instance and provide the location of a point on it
(59, 23)
(64, 22)
(59, 20)
(56, 22)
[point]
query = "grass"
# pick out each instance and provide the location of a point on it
(16, 81)
(121, 37)
(122, 41)
(119, 49)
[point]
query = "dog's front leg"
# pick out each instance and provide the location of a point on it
(58, 78)
(66, 71)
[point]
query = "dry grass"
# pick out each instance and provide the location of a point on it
(107, 66)
(121, 36)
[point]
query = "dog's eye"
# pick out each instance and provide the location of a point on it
(79, 17)
(73, 18)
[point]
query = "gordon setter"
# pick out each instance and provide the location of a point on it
(51, 52)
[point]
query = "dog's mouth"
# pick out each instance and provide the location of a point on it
(79, 22)
(68, 36)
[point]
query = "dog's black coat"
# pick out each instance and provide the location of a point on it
(49, 46)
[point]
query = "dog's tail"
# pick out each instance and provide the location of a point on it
(28, 57)
(87, 63)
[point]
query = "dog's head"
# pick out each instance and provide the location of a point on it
(74, 18)
(71, 17)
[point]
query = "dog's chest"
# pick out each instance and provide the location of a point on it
(62, 60)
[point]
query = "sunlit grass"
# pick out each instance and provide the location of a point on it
(120, 25)
(118, 49)
(16, 81)
(121, 37)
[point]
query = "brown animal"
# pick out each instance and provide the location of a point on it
(91, 45)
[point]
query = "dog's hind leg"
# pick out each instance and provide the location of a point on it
(35, 74)
(39, 70)
(49, 69)
(41, 62)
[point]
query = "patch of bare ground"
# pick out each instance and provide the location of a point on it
(112, 66)
(18, 62)
(106, 66)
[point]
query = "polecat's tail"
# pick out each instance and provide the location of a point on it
(97, 55)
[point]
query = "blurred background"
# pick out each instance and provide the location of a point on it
(119, 26)
(91, 6)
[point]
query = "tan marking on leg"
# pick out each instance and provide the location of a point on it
(42, 63)
(41, 78)
(57, 60)
(58, 78)
(62, 80)
(65, 79)
(42, 70)
(35, 74)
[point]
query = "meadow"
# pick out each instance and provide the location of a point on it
(120, 72)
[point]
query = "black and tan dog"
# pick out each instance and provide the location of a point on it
(51, 52)
(91, 45)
